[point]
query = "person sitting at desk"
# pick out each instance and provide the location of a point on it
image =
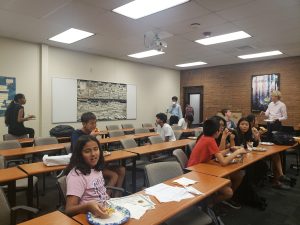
(206, 149)
(164, 129)
(115, 174)
(186, 122)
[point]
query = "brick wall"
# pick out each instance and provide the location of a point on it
(229, 86)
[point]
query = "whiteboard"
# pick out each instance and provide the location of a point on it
(64, 100)
(131, 102)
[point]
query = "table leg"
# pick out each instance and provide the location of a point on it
(30, 191)
(12, 193)
(133, 175)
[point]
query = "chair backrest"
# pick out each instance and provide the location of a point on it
(162, 171)
(156, 139)
(116, 133)
(2, 162)
(128, 143)
(190, 147)
(5, 212)
(112, 127)
(129, 125)
(45, 141)
(7, 137)
(178, 134)
(62, 189)
(181, 157)
(176, 127)
(147, 125)
(10, 144)
(141, 130)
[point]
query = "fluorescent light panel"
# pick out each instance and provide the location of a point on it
(191, 64)
(70, 36)
(140, 8)
(146, 54)
(261, 54)
(223, 38)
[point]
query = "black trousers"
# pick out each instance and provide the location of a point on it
(23, 131)
(274, 126)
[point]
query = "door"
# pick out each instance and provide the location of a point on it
(194, 97)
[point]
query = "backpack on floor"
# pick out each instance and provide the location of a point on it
(61, 131)
(283, 138)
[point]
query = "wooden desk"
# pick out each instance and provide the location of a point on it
(129, 136)
(26, 142)
(31, 150)
(163, 211)
(54, 218)
(156, 148)
(213, 168)
(9, 176)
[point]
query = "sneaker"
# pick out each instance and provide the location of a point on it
(232, 204)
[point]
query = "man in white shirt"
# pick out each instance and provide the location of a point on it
(276, 113)
(164, 129)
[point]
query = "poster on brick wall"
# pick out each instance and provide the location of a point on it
(262, 87)
(7, 92)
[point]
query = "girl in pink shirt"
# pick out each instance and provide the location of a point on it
(85, 184)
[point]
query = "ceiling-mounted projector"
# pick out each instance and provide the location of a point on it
(153, 41)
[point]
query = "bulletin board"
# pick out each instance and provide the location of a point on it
(7, 92)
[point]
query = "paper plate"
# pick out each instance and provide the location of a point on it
(266, 143)
(120, 216)
(259, 149)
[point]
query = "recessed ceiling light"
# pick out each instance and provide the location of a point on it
(70, 36)
(140, 8)
(223, 38)
(145, 54)
(191, 64)
(261, 54)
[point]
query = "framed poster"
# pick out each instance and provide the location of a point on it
(262, 87)
(7, 92)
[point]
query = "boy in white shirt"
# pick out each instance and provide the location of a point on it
(164, 129)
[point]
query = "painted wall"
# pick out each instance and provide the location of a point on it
(34, 66)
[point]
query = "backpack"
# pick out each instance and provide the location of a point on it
(62, 131)
(283, 138)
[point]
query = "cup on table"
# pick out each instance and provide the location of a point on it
(249, 145)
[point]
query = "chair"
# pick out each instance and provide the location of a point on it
(159, 172)
(176, 127)
(147, 125)
(112, 127)
(127, 126)
(178, 134)
(22, 184)
(141, 130)
(45, 141)
(128, 143)
(155, 139)
(190, 147)
(116, 133)
(181, 157)
(7, 214)
(11, 144)
(7, 137)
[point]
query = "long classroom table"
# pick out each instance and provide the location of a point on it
(214, 168)
(164, 211)
(32, 169)
(128, 136)
(9, 176)
(31, 150)
(53, 218)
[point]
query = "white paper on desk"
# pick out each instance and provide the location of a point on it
(184, 181)
(136, 211)
(56, 160)
(136, 199)
(167, 193)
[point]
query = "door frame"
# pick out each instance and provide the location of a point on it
(187, 91)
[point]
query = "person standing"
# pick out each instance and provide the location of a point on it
(175, 111)
(276, 112)
(14, 117)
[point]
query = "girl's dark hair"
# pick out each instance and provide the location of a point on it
(242, 138)
(77, 160)
(251, 118)
(218, 119)
(8, 111)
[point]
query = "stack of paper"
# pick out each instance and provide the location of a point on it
(137, 204)
(185, 181)
(167, 193)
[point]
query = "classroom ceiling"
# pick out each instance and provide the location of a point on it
(273, 25)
